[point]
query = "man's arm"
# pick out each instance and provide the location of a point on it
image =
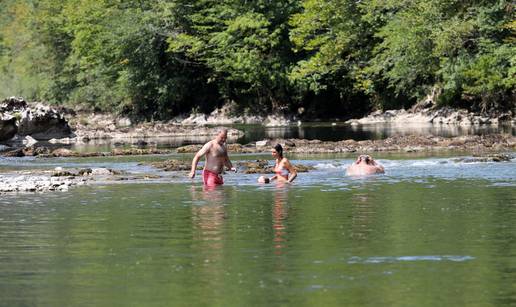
(228, 163)
(197, 157)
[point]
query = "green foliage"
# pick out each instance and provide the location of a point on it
(445, 43)
(491, 76)
(160, 58)
(244, 45)
(22, 60)
(331, 34)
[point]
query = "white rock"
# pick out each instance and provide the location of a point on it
(101, 171)
(195, 119)
(123, 122)
(262, 143)
(29, 141)
(66, 140)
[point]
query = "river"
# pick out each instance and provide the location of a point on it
(431, 231)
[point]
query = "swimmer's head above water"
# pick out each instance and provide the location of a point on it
(364, 165)
(263, 179)
(364, 158)
(277, 151)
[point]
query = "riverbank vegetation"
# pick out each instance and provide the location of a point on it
(315, 58)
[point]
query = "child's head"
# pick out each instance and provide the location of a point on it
(263, 179)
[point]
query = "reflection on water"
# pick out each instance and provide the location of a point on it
(156, 142)
(363, 216)
(279, 217)
(383, 131)
(339, 131)
(208, 214)
(320, 131)
(208, 218)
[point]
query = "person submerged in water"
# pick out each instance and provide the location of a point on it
(364, 165)
(216, 158)
(284, 170)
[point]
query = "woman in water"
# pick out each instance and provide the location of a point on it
(284, 170)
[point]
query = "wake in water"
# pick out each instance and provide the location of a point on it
(332, 172)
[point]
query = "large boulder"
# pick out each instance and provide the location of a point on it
(8, 127)
(43, 123)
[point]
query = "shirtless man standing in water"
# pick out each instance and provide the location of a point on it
(216, 158)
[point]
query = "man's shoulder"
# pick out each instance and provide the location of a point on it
(206, 147)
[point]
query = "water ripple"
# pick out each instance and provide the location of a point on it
(368, 260)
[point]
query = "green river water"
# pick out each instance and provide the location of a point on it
(430, 232)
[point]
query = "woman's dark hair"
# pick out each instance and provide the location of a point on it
(279, 149)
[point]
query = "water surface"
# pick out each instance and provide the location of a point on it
(429, 232)
(325, 131)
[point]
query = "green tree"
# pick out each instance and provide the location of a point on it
(155, 59)
(445, 43)
(22, 59)
(243, 43)
(335, 43)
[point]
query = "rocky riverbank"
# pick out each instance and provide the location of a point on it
(60, 179)
(422, 113)
(24, 125)
(107, 127)
(20, 119)
(229, 114)
(442, 116)
(410, 143)
(46, 152)
(36, 183)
